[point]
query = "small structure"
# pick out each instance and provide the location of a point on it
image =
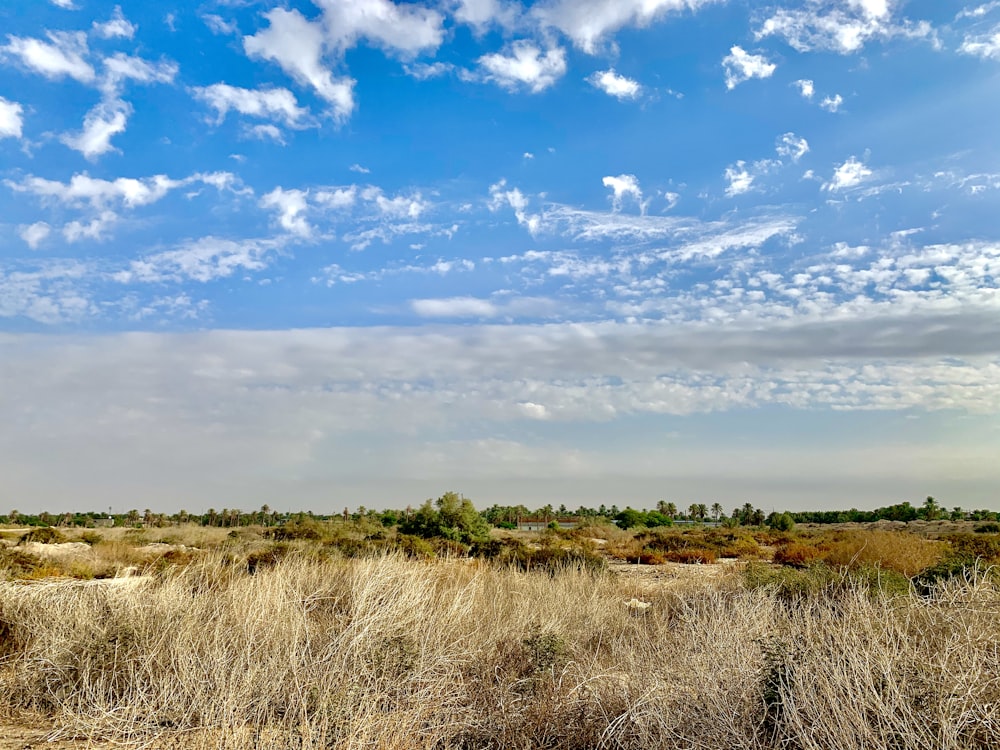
(540, 524)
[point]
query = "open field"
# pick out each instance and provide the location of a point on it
(242, 643)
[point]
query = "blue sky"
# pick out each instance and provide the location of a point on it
(350, 252)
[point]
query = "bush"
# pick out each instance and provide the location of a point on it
(450, 517)
(988, 528)
(796, 555)
(306, 530)
(414, 547)
(43, 535)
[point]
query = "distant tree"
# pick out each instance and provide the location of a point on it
(450, 517)
(930, 510)
(717, 511)
(14, 516)
(781, 521)
(630, 518)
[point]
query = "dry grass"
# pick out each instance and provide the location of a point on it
(893, 550)
(389, 653)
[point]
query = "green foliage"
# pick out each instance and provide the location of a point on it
(631, 518)
(781, 522)
(307, 530)
(988, 528)
(450, 517)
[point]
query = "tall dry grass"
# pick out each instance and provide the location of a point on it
(390, 653)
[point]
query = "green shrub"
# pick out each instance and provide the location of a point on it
(988, 528)
(415, 547)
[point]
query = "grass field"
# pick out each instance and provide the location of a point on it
(310, 648)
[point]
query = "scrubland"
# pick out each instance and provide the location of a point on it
(342, 638)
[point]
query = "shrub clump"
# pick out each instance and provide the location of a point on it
(796, 555)
(43, 535)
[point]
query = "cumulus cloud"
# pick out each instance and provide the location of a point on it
(116, 27)
(11, 121)
(842, 27)
(832, 103)
(792, 146)
(270, 103)
(100, 125)
(218, 25)
(589, 22)
(64, 55)
(621, 186)
(298, 47)
(615, 85)
(524, 66)
(34, 234)
(741, 66)
(95, 229)
(481, 14)
(290, 206)
(848, 175)
(806, 88)
(740, 179)
(986, 46)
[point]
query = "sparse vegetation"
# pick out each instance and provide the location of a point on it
(342, 632)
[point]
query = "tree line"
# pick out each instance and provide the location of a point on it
(665, 513)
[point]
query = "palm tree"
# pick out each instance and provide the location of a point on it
(717, 511)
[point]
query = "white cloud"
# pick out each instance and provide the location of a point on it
(116, 27)
(101, 124)
(95, 229)
(482, 13)
(34, 234)
(11, 121)
(589, 22)
(218, 25)
(266, 132)
(741, 66)
(832, 104)
(272, 103)
(404, 28)
(83, 189)
(517, 201)
(291, 206)
(525, 65)
(527, 156)
(65, 4)
(203, 260)
(120, 68)
(849, 174)
(792, 146)
(454, 307)
(843, 27)
(399, 207)
(426, 71)
(359, 169)
(805, 87)
(986, 46)
(62, 55)
(621, 186)
(336, 199)
(298, 47)
(615, 85)
(740, 180)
